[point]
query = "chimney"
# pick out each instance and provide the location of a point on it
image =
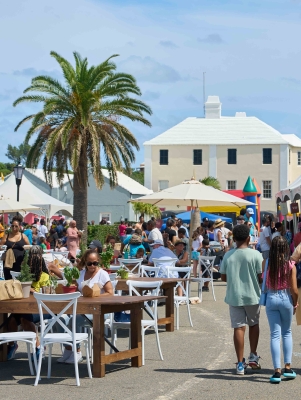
(213, 107)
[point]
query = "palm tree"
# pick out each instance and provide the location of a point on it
(148, 209)
(208, 181)
(79, 124)
(211, 181)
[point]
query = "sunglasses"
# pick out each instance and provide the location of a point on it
(95, 263)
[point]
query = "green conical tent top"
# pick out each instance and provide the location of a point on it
(249, 186)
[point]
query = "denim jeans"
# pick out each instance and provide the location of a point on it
(279, 309)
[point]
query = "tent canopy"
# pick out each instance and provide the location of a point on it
(30, 194)
(185, 216)
(290, 192)
(8, 205)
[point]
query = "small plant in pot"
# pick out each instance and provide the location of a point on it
(123, 273)
(106, 257)
(70, 274)
(25, 277)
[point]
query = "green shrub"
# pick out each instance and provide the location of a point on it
(100, 232)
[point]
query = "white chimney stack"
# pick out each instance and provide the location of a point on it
(213, 107)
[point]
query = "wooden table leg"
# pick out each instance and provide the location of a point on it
(136, 317)
(169, 308)
(99, 367)
(3, 347)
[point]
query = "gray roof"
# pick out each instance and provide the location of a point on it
(224, 130)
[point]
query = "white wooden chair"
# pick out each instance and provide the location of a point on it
(152, 310)
(207, 263)
(147, 271)
(124, 262)
(164, 263)
(184, 285)
(70, 338)
(27, 337)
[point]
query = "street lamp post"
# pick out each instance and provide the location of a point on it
(18, 171)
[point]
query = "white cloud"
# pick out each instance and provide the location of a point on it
(148, 69)
(213, 38)
(168, 44)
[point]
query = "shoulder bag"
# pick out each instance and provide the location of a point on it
(11, 290)
(263, 296)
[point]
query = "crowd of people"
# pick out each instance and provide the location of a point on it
(244, 255)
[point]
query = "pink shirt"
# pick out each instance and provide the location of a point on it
(122, 229)
(281, 285)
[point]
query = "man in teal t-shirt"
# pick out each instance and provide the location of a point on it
(248, 217)
(241, 269)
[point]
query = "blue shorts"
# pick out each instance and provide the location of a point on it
(195, 255)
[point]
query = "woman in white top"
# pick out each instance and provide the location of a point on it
(196, 248)
(91, 274)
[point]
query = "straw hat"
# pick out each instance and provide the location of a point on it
(218, 222)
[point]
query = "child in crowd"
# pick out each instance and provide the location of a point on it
(196, 248)
(43, 242)
(140, 254)
(241, 269)
(281, 304)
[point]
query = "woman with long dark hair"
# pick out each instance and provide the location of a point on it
(281, 304)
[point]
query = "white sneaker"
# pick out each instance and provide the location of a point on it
(65, 356)
(79, 357)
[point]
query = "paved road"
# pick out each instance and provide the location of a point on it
(199, 363)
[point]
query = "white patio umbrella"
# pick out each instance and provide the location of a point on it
(194, 194)
(8, 205)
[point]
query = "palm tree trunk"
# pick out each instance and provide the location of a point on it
(80, 195)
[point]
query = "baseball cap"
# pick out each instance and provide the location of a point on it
(250, 211)
(205, 219)
(158, 241)
(95, 244)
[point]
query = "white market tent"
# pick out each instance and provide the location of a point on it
(30, 194)
(292, 192)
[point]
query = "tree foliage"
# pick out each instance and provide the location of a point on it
(211, 181)
(18, 153)
(79, 124)
(148, 209)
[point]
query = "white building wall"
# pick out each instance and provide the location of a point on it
(148, 166)
(212, 161)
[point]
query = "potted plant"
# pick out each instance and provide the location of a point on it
(123, 273)
(25, 277)
(70, 274)
(106, 257)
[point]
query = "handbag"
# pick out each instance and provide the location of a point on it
(9, 258)
(11, 290)
(263, 296)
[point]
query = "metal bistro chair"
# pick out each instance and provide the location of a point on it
(152, 311)
(69, 337)
(207, 263)
(184, 285)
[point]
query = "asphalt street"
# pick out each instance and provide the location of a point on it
(199, 363)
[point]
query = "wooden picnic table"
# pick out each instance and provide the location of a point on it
(168, 285)
(98, 306)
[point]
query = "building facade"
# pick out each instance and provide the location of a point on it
(227, 148)
(111, 204)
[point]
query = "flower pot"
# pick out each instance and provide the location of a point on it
(69, 289)
(26, 289)
(124, 275)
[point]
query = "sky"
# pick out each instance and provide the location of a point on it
(249, 50)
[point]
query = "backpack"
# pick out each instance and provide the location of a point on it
(288, 236)
(135, 239)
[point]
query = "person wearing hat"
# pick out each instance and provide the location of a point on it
(160, 251)
(219, 235)
(96, 244)
(248, 217)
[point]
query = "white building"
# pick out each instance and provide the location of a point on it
(228, 148)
